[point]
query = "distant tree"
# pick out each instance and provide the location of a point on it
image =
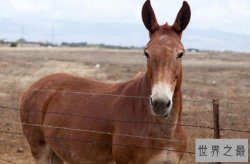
(74, 44)
(2, 41)
(21, 40)
(13, 44)
(193, 50)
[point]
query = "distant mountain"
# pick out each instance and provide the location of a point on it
(120, 34)
(210, 39)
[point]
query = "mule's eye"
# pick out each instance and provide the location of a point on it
(146, 54)
(179, 56)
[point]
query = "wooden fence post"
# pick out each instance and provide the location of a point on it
(216, 118)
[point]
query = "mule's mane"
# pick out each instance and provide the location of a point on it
(162, 29)
(166, 26)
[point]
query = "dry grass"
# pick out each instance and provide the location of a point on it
(206, 75)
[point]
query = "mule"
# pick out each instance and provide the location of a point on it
(71, 119)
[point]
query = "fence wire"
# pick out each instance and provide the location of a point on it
(102, 143)
(110, 120)
(89, 131)
(100, 94)
(132, 122)
(119, 95)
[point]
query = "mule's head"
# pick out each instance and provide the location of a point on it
(164, 52)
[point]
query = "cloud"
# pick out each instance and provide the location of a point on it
(88, 17)
(224, 14)
(14, 9)
(69, 10)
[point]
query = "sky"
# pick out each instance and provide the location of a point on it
(215, 24)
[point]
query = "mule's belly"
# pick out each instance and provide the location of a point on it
(80, 144)
(84, 154)
(82, 136)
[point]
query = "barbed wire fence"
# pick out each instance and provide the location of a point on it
(216, 126)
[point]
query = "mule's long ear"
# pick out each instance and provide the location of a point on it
(182, 18)
(148, 17)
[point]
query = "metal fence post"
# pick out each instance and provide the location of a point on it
(216, 118)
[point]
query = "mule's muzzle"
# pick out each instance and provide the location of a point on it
(161, 107)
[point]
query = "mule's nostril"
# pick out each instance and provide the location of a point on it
(168, 104)
(158, 104)
(151, 101)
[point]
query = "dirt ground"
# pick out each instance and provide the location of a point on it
(207, 75)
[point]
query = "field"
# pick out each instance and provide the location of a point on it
(207, 75)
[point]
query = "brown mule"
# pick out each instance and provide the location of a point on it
(103, 128)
